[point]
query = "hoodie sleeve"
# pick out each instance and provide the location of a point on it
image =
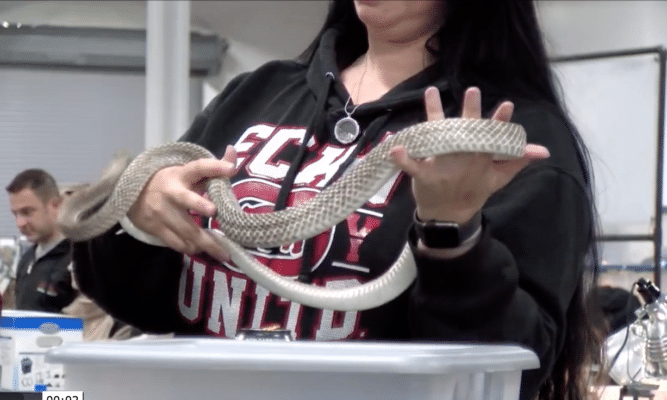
(516, 284)
(133, 281)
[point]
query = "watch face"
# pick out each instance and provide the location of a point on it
(440, 237)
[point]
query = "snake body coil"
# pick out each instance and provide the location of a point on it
(92, 212)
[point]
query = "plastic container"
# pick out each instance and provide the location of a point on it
(234, 369)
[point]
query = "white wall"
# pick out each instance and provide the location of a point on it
(574, 27)
(581, 27)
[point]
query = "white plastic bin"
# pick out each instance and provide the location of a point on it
(234, 369)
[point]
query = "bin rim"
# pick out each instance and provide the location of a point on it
(303, 356)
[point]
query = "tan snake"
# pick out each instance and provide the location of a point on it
(95, 210)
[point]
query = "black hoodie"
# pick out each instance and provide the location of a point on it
(514, 286)
(46, 284)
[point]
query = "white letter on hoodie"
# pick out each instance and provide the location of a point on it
(263, 165)
(326, 331)
(225, 305)
(191, 312)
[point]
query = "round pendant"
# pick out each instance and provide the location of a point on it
(346, 130)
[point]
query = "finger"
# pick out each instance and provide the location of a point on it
(230, 155)
(189, 200)
(512, 167)
(183, 225)
(195, 171)
(174, 241)
(536, 152)
(399, 155)
(186, 230)
(207, 243)
(504, 112)
(433, 104)
(472, 103)
(229, 158)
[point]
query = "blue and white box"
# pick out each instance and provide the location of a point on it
(25, 336)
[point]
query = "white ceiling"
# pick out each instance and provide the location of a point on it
(279, 27)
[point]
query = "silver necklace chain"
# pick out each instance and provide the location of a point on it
(349, 113)
(347, 128)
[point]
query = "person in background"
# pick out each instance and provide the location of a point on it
(515, 272)
(43, 281)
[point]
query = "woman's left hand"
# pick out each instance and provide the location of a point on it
(453, 187)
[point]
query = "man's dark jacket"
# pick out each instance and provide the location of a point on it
(47, 286)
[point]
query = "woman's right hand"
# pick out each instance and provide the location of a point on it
(163, 206)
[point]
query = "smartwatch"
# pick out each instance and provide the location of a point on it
(446, 235)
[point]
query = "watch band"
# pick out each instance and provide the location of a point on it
(446, 235)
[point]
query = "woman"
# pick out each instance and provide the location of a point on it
(285, 131)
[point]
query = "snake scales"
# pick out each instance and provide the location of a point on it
(93, 211)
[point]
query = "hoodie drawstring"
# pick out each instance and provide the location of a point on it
(281, 201)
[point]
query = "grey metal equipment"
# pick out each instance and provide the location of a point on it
(654, 328)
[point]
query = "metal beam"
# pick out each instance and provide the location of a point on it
(167, 63)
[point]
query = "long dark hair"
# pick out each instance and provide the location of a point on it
(497, 46)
